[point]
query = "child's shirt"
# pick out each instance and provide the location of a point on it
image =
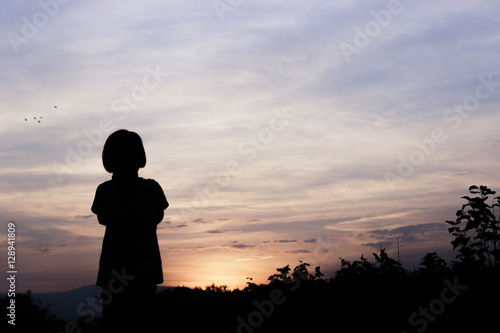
(130, 209)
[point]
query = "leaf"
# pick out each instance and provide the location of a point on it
(485, 190)
(455, 243)
(473, 187)
(318, 273)
(472, 224)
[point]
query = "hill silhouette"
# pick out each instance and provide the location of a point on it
(375, 294)
(63, 304)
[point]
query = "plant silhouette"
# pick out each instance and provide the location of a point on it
(432, 264)
(478, 242)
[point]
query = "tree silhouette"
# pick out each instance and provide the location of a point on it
(214, 288)
(31, 316)
(359, 269)
(387, 264)
(282, 276)
(433, 264)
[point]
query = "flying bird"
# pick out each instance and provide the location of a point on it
(25, 119)
(55, 107)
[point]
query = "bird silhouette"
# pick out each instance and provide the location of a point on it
(35, 118)
(55, 106)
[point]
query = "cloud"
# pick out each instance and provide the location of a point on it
(297, 251)
(199, 220)
(85, 216)
(313, 240)
(239, 246)
(395, 215)
(46, 249)
(223, 231)
(256, 257)
(409, 229)
(215, 232)
(242, 246)
(182, 225)
(171, 225)
(245, 259)
(404, 235)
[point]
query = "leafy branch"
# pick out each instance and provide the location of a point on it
(478, 242)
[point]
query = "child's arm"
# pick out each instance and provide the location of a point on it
(97, 208)
(162, 203)
(103, 218)
(158, 217)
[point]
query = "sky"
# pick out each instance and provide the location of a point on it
(280, 131)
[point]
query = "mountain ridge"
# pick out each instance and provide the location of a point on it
(64, 304)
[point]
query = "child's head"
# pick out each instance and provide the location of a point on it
(123, 152)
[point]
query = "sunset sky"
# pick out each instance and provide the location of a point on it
(279, 130)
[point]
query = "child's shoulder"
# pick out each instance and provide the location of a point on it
(149, 182)
(105, 187)
(105, 184)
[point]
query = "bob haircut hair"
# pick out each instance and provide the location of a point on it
(123, 152)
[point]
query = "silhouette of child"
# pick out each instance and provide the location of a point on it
(130, 207)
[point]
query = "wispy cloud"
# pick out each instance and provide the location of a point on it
(406, 235)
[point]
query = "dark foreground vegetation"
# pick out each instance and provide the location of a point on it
(376, 295)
